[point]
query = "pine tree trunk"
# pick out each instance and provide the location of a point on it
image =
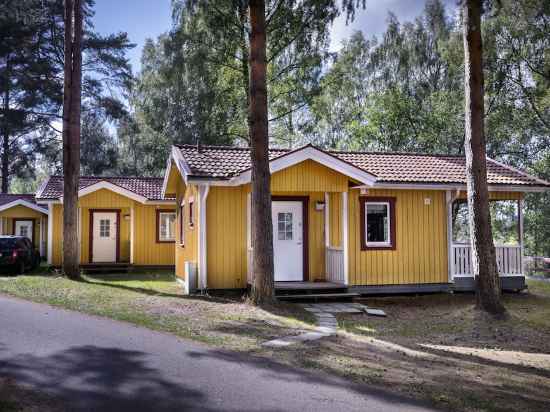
(262, 231)
(6, 134)
(71, 135)
(483, 250)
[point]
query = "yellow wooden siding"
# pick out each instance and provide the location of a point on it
(189, 250)
(146, 249)
(421, 232)
(105, 199)
(308, 176)
(57, 232)
(124, 235)
(22, 212)
(226, 237)
(335, 219)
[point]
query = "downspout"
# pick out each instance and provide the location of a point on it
(203, 279)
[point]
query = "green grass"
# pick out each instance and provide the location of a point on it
(155, 300)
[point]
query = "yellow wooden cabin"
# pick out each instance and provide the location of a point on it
(121, 220)
(372, 222)
(20, 215)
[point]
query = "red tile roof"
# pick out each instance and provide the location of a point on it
(148, 187)
(223, 162)
(6, 198)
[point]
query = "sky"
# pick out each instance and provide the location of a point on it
(143, 19)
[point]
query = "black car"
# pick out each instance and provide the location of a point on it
(18, 254)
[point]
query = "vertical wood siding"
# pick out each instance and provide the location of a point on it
(21, 212)
(189, 250)
(308, 176)
(421, 233)
(226, 237)
(146, 249)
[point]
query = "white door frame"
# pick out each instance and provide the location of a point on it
(91, 233)
(305, 228)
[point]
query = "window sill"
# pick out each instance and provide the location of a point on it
(166, 241)
(377, 247)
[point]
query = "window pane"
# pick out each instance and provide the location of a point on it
(167, 223)
(284, 226)
(104, 228)
(377, 222)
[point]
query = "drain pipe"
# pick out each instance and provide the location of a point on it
(203, 194)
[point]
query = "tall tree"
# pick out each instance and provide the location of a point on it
(484, 262)
(71, 135)
(262, 233)
(31, 81)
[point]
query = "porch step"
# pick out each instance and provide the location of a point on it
(105, 268)
(319, 296)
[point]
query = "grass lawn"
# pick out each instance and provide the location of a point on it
(432, 347)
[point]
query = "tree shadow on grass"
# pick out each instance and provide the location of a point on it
(95, 378)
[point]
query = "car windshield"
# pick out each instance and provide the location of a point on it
(7, 243)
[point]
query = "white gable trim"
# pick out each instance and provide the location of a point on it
(22, 202)
(113, 188)
(300, 155)
(177, 159)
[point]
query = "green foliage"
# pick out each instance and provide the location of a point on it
(31, 86)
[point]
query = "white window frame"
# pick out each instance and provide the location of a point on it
(165, 220)
(366, 228)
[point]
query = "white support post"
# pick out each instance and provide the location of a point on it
(1, 226)
(327, 232)
(41, 237)
(520, 218)
(132, 234)
(345, 240)
(249, 220)
(50, 233)
(203, 194)
(449, 204)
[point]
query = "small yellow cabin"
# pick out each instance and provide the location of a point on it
(20, 215)
(373, 222)
(121, 220)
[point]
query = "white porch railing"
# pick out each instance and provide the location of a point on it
(508, 260)
(335, 265)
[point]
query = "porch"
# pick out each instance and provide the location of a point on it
(507, 236)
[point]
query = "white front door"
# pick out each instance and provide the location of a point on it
(104, 237)
(288, 240)
(24, 228)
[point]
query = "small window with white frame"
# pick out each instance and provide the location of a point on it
(166, 226)
(378, 223)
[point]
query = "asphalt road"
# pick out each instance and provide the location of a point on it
(96, 364)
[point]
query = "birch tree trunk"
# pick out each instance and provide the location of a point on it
(71, 135)
(262, 231)
(483, 250)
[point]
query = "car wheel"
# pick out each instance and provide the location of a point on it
(36, 262)
(20, 267)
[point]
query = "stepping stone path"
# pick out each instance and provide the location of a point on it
(326, 321)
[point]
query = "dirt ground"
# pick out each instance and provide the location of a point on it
(433, 347)
(440, 348)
